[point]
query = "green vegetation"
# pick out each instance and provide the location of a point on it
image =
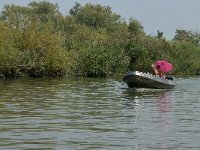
(37, 40)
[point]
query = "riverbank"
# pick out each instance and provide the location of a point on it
(38, 41)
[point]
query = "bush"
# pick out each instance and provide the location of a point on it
(100, 62)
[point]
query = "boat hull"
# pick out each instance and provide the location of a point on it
(135, 79)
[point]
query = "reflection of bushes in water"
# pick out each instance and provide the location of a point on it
(145, 92)
(165, 102)
(161, 97)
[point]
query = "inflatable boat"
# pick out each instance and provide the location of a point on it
(136, 79)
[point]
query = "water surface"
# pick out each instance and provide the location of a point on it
(86, 113)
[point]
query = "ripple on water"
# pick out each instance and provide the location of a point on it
(98, 114)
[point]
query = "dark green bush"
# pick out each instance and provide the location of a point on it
(38, 40)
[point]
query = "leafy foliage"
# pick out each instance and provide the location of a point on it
(37, 40)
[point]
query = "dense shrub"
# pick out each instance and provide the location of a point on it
(38, 40)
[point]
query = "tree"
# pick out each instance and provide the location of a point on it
(15, 16)
(96, 16)
(182, 35)
(19, 16)
(187, 36)
(46, 11)
(75, 9)
(159, 34)
(135, 27)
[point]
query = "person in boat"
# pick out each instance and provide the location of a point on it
(157, 71)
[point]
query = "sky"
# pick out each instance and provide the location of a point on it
(163, 15)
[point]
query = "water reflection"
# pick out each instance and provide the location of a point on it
(84, 113)
(163, 120)
(160, 103)
(164, 102)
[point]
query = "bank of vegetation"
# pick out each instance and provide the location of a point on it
(92, 41)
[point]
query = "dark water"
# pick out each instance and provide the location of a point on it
(88, 114)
